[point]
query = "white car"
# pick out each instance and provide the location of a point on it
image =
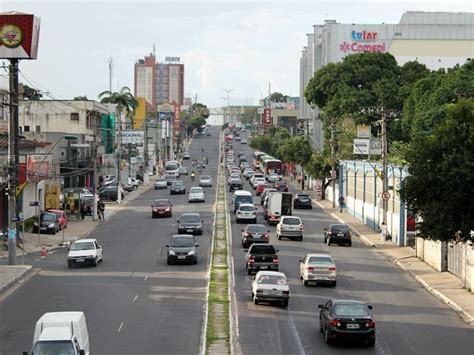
(196, 194)
(243, 141)
(246, 212)
(320, 268)
(84, 251)
(134, 182)
(258, 181)
(290, 227)
(270, 286)
(255, 176)
(161, 183)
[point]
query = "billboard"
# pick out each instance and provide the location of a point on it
(19, 35)
(133, 137)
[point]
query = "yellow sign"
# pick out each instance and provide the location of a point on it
(10, 36)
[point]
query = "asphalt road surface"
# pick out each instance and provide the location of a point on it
(409, 320)
(134, 302)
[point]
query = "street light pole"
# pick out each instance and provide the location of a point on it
(333, 164)
(384, 166)
(14, 162)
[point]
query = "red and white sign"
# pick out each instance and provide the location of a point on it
(267, 116)
(386, 196)
(19, 35)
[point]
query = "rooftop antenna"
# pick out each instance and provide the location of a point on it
(154, 50)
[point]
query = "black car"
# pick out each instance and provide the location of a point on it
(109, 193)
(302, 201)
(49, 223)
(170, 178)
(338, 233)
(177, 187)
(254, 233)
(182, 248)
(190, 223)
(346, 320)
(235, 185)
(281, 185)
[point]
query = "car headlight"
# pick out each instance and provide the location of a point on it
(171, 252)
(191, 252)
(35, 224)
(51, 225)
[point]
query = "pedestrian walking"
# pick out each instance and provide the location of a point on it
(101, 209)
(383, 232)
(342, 203)
(83, 210)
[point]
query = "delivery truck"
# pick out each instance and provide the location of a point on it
(278, 204)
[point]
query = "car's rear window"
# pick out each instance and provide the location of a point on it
(291, 221)
(320, 260)
(272, 280)
(350, 310)
(257, 228)
(303, 196)
(247, 208)
(263, 249)
(340, 228)
(196, 190)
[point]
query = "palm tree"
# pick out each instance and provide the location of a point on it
(124, 100)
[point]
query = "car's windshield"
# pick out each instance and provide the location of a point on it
(62, 347)
(83, 246)
(205, 177)
(171, 166)
(320, 260)
(161, 203)
(178, 183)
(272, 280)
(182, 242)
(340, 228)
(256, 228)
(186, 218)
(195, 190)
(291, 221)
(303, 197)
(350, 310)
(48, 217)
(160, 180)
(263, 249)
(246, 208)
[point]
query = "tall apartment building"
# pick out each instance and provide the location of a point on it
(159, 83)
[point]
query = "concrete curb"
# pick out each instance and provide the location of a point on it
(10, 283)
(449, 302)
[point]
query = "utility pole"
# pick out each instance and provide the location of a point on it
(94, 172)
(333, 164)
(384, 166)
(145, 145)
(14, 208)
(119, 154)
(110, 73)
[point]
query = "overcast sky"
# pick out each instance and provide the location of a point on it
(242, 46)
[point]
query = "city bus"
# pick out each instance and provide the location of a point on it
(256, 158)
(269, 164)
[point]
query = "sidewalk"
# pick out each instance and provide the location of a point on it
(444, 285)
(76, 229)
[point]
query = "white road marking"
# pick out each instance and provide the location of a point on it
(146, 277)
(135, 298)
(296, 337)
(120, 328)
(154, 260)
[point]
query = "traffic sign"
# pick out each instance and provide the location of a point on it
(386, 196)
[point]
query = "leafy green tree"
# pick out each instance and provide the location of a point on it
(81, 98)
(319, 167)
(441, 180)
(124, 100)
(195, 122)
(298, 150)
(262, 143)
(278, 97)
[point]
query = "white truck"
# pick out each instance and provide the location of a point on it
(277, 204)
(61, 333)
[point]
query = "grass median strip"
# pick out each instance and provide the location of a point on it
(218, 323)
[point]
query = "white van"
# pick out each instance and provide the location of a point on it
(61, 333)
(241, 196)
(172, 168)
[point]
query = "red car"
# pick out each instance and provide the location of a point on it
(260, 189)
(161, 208)
(62, 217)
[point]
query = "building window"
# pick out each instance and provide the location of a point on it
(38, 129)
(27, 128)
(74, 116)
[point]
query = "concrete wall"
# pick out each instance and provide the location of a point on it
(432, 252)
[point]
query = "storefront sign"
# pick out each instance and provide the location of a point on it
(364, 36)
(359, 47)
(133, 137)
(19, 35)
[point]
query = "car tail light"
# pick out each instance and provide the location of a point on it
(301, 226)
(370, 324)
(155, 210)
(266, 236)
(286, 292)
(310, 268)
(332, 269)
(251, 259)
(275, 260)
(246, 234)
(335, 323)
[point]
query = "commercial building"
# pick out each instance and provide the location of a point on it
(159, 82)
(436, 39)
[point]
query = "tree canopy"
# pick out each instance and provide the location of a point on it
(123, 99)
(441, 180)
